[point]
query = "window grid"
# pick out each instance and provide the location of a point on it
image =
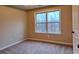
(49, 22)
(36, 23)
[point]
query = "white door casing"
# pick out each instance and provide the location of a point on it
(75, 17)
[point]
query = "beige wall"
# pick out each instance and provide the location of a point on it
(66, 25)
(12, 25)
(75, 17)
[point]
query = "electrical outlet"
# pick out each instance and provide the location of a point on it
(48, 35)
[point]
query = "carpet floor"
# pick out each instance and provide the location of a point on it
(34, 47)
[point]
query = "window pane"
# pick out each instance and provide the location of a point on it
(53, 28)
(53, 16)
(56, 29)
(41, 17)
(50, 27)
(41, 27)
(53, 22)
(37, 28)
(40, 22)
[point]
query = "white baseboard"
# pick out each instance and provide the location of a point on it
(63, 43)
(11, 44)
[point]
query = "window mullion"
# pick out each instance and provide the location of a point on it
(46, 24)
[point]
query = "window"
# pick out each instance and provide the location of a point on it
(48, 22)
(40, 24)
(53, 22)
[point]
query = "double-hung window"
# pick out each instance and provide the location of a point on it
(48, 22)
(40, 23)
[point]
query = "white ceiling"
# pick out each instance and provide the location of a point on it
(26, 7)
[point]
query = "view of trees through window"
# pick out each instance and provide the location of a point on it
(48, 22)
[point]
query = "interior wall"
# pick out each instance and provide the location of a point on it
(12, 26)
(66, 25)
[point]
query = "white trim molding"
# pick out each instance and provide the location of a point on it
(54, 42)
(12, 44)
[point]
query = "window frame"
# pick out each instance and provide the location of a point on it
(47, 22)
(36, 21)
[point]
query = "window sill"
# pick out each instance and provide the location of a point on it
(48, 33)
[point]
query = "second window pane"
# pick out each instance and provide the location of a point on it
(41, 27)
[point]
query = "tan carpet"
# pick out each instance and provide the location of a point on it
(34, 47)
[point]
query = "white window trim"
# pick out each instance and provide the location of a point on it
(60, 32)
